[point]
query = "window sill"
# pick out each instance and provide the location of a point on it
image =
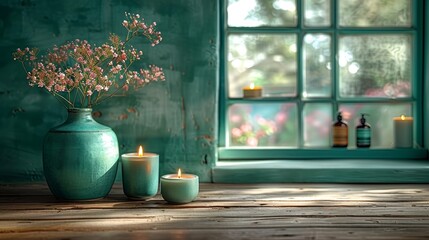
(322, 171)
(273, 153)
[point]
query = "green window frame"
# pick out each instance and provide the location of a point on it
(245, 153)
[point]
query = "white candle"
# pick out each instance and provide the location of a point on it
(403, 127)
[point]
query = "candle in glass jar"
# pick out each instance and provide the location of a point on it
(403, 127)
(179, 188)
(252, 91)
(140, 174)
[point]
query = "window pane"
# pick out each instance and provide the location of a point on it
(266, 60)
(375, 13)
(317, 65)
(317, 124)
(380, 118)
(264, 124)
(252, 13)
(375, 66)
(317, 13)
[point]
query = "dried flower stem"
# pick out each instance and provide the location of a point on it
(79, 74)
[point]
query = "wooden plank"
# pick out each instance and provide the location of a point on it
(222, 189)
(234, 190)
(208, 204)
(221, 223)
(47, 203)
(229, 212)
(224, 211)
(391, 233)
(229, 195)
(334, 197)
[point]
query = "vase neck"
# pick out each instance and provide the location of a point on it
(79, 114)
(80, 120)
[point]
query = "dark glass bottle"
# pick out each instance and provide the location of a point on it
(340, 133)
(363, 133)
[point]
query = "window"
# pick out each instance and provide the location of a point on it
(313, 59)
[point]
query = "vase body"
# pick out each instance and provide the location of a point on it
(80, 157)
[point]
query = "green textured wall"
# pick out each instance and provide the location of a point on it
(176, 118)
(426, 78)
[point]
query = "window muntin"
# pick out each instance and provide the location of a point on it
(325, 82)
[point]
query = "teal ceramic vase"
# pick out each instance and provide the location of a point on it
(80, 157)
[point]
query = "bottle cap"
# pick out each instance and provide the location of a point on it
(362, 119)
(339, 117)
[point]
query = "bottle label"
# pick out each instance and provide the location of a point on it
(363, 136)
(340, 136)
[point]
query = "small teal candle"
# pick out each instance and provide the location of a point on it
(140, 174)
(179, 188)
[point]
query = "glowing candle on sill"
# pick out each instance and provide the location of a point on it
(140, 174)
(403, 127)
(179, 188)
(252, 91)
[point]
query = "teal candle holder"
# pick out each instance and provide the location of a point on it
(179, 189)
(140, 175)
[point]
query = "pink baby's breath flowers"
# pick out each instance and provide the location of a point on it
(80, 74)
(98, 87)
(136, 26)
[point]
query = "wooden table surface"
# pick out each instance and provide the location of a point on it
(222, 211)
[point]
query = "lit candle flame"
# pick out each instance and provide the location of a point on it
(179, 173)
(252, 86)
(402, 117)
(140, 151)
